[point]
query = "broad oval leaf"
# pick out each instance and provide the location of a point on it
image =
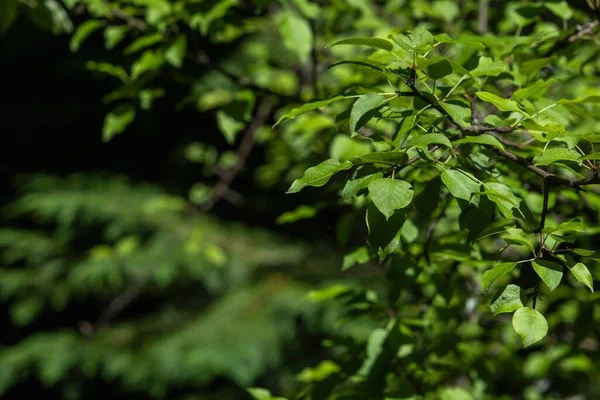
(484, 139)
(354, 186)
(458, 111)
(488, 67)
(459, 184)
(499, 102)
(550, 272)
(389, 195)
(583, 275)
(492, 275)
(557, 154)
(369, 42)
(509, 300)
(362, 106)
(320, 174)
(503, 197)
(530, 325)
(314, 105)
(429, 138)
(297, 36)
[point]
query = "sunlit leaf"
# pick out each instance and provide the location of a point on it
(320, 174)
(530, 325)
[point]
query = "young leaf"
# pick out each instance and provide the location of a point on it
(530, 325)
(362, 107)
(302, 212)
(492, 275)
(320, 104)
(369, 42)
(319, 175)
(459, 184)
(499, 102)
(176, 51)
(583, 275)
(550, 272)
(83, 31)
(389, 195)
(484, 139)
(557, 154)
(509, 300)
(228, 126)
(297, 36)
(354, 186)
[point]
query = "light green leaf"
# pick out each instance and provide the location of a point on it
(344, 147)
(503, 197)
(358, 256)
(560, 9)
(297, 36)
(391, 158)
(534, 66)
(319, 175)
(361, 108)
(518, 237)
(488, 67)
(471, 42)
(458, 111)
(116, 121)
(176, 52)
(83, 31)
(592, 156)
(530, 325)
(149, 61)
(228, 126)
(565, 227)
(583, 252)
(550, 272)
(550, 156)
(8, 13)
(144, 42)
(509, 300)
(262, 394)
(499, 102)
(389, 195)
(583, 275)
(320, 104)
(459, 184)
(429, 138)
(114, 34)
(492, 275)
(369, 42)
(301, 212)
(354, 186)
(581, 100)
(535, 89)
(485, 139)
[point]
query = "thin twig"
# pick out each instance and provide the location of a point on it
(222, 187)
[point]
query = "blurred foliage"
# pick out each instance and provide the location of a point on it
(164, 299)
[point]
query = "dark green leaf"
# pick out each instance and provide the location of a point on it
(369, 42)
(459, 184)
(359, 115)
(389, 195)
(354, 186)
(390, 158)
(492, 275)
(384, 234)
(320, 104)
(359, 63)
(8, 13)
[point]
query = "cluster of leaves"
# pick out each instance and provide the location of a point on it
(466, 154)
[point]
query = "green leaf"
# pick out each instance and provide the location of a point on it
(228, 126)
(359, 63)
(360, 113)
(581, 100)
(488, 67)
(116, 121)
(536, 88)
(114, 34)
(471, 42)
(503, 197)
(262, 394)
(83, 31)
(354, 186)
(297, 36)
(369, 42)
(534, 66)
(550, 156)
(390, 195)
(344, 147)
(436, 68)
(176, 52)
(583, 275)
(390, 158)
(429, 138)
(583, 252)
(509, 300)
(518, 237)
(565, 227)
(301, 212)
(8, 14)
(458, 111)
(149, 61)
(560, 9)
(144, 42)
(530, 325)
(358, 256)
(320, 104)
(592, 156)
(550, 272)
(319, 175)
(459, 184)
(499, 102)
(384, 234)
(492, 275)
(485, 139)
